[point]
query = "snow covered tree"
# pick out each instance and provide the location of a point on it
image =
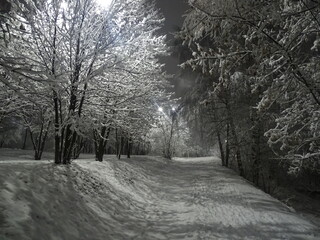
(125, 96)
(167, 134)
(78, 55)
(263, 55)
(37, 120)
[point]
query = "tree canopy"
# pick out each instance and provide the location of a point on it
(91, 67)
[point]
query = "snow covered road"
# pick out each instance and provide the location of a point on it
(140, 198)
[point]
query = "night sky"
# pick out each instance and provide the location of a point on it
(172, 11)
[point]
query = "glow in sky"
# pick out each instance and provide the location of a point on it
(104, 3)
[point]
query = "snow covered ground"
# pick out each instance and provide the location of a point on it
(139, 198)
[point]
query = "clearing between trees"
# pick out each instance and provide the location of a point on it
(139, 198)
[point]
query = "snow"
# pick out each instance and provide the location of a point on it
(139, 198)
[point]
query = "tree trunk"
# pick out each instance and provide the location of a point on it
(228, 146)
(34, 144)
(125, 146)
(68, 145)
(25, 139)
(129, 147)
(138, 149)
(39, 142)
(44, 140)
(71, 135)
(255, 148)
(101, 142)
(78, 148)
(236, 141)
(57, 133)
(57, 108)
(121, 146)
(117, 143)
(221, 149)
(169, 148)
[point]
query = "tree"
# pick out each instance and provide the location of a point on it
(168, 135)
(70, 50)
(37, 121)
(262, 55)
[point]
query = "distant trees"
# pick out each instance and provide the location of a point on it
(260, 63)
(168, 125)
(169, 137)
(94, 69)
(10, 131)
(38, 121)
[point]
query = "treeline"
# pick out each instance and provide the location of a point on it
(257, 90)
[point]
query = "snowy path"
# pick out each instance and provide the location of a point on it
(202, 200)
(140, 198)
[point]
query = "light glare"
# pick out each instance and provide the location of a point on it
(104, 3)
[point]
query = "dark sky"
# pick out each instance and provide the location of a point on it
(172, 10)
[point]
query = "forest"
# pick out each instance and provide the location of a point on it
(77, 78)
